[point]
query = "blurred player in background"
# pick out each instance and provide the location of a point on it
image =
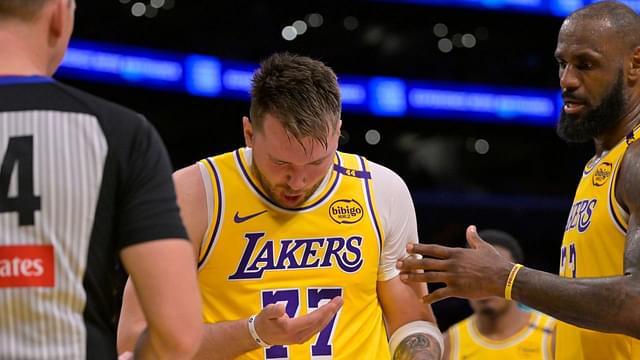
(499, 328)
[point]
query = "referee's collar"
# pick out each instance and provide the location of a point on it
(17, 79)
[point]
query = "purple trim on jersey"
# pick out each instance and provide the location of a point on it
(218, 216)
(13, 79)
(611, 199)
(591, 164)
(360, 174)
(373, 214)
(265, 197)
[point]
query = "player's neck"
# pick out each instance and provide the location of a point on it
(503, 326)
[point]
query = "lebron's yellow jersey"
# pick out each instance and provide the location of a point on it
(533, 342)
(256, 253)
(593, 246)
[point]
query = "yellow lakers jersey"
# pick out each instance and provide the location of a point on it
(256, 253)
(533, 342)
(593, 246)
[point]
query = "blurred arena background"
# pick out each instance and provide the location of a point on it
(459, 97)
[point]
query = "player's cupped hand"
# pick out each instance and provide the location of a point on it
(276, 327)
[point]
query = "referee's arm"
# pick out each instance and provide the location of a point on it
(155, 251)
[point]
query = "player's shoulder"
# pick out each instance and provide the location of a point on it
(90, 101)
(381, 172)
(386, 182)
(187, 175)
(632, 154)
(628, 174)
(190, 185)
(387, 179)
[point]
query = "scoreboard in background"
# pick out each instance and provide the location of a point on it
(209, 76)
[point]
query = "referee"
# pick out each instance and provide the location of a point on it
(82, 181)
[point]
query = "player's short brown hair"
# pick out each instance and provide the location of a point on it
(301, 92)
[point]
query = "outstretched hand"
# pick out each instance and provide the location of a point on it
(275, 327)
(473, 273)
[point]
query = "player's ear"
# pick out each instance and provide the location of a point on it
(247, 130)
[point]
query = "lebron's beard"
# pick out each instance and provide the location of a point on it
(580, 129)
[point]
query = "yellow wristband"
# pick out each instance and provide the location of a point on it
(510, 280)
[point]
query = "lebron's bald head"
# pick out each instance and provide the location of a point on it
(609, 16)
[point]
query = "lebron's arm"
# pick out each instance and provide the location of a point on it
(605, 304)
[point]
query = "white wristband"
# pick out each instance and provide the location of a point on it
(416, 327)
(254, 334)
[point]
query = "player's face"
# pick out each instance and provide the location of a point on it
(493, 307)
(590, 63)
(289, 170)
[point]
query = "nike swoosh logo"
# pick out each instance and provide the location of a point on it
(240, 219)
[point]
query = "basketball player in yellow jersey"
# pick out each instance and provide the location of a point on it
(499, 328)
(288, 224)
(598, 292)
